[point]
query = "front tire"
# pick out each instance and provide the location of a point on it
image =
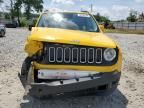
(26, 70)
(2, 33)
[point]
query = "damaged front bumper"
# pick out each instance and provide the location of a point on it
(105, 81)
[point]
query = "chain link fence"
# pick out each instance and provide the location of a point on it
(129, 25)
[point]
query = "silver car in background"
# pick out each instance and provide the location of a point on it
(2, 30)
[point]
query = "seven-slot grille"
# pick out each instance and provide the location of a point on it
(72, 55)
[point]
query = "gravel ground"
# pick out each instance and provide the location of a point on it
(130, 93)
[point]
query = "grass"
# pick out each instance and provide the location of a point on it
(124, 31)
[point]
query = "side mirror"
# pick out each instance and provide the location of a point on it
(30, 27)
(101, 27)
(31, 24)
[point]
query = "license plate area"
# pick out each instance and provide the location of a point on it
(63, 74)
(53, 74)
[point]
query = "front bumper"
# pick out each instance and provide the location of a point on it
(101, 82)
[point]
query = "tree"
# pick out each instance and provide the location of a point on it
(10, 8)
(1, 1)
(7, 16)
(14, 8)
(141, 17)
(101, 18)
(17, 10)
(132, 16)
(37, 5)
(98, 17)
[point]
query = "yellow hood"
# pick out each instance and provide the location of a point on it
(71, 37)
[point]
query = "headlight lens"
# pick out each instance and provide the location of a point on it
(109, 54)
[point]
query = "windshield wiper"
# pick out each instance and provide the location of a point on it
(91, 31)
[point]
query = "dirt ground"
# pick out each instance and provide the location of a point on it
(130, 93)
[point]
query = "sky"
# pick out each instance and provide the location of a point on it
(113, 9)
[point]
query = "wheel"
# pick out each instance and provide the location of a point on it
(26, 76)
(2, 33)
(25, 71)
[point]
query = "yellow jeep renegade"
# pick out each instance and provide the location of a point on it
(68, 53)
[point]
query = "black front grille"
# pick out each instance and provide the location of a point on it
(73, 55)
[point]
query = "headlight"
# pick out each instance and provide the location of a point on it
(109, 54)
(32, 47)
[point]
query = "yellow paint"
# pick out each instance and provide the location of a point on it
(96, 39)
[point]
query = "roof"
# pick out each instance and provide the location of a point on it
(79, 12)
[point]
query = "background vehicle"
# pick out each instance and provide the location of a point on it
(68, 53)
(2, 30)
(12, 24)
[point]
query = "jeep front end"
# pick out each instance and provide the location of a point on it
(68, 53)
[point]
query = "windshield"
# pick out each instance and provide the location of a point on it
(72, 21)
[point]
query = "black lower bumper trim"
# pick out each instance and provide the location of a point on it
(104, 82)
